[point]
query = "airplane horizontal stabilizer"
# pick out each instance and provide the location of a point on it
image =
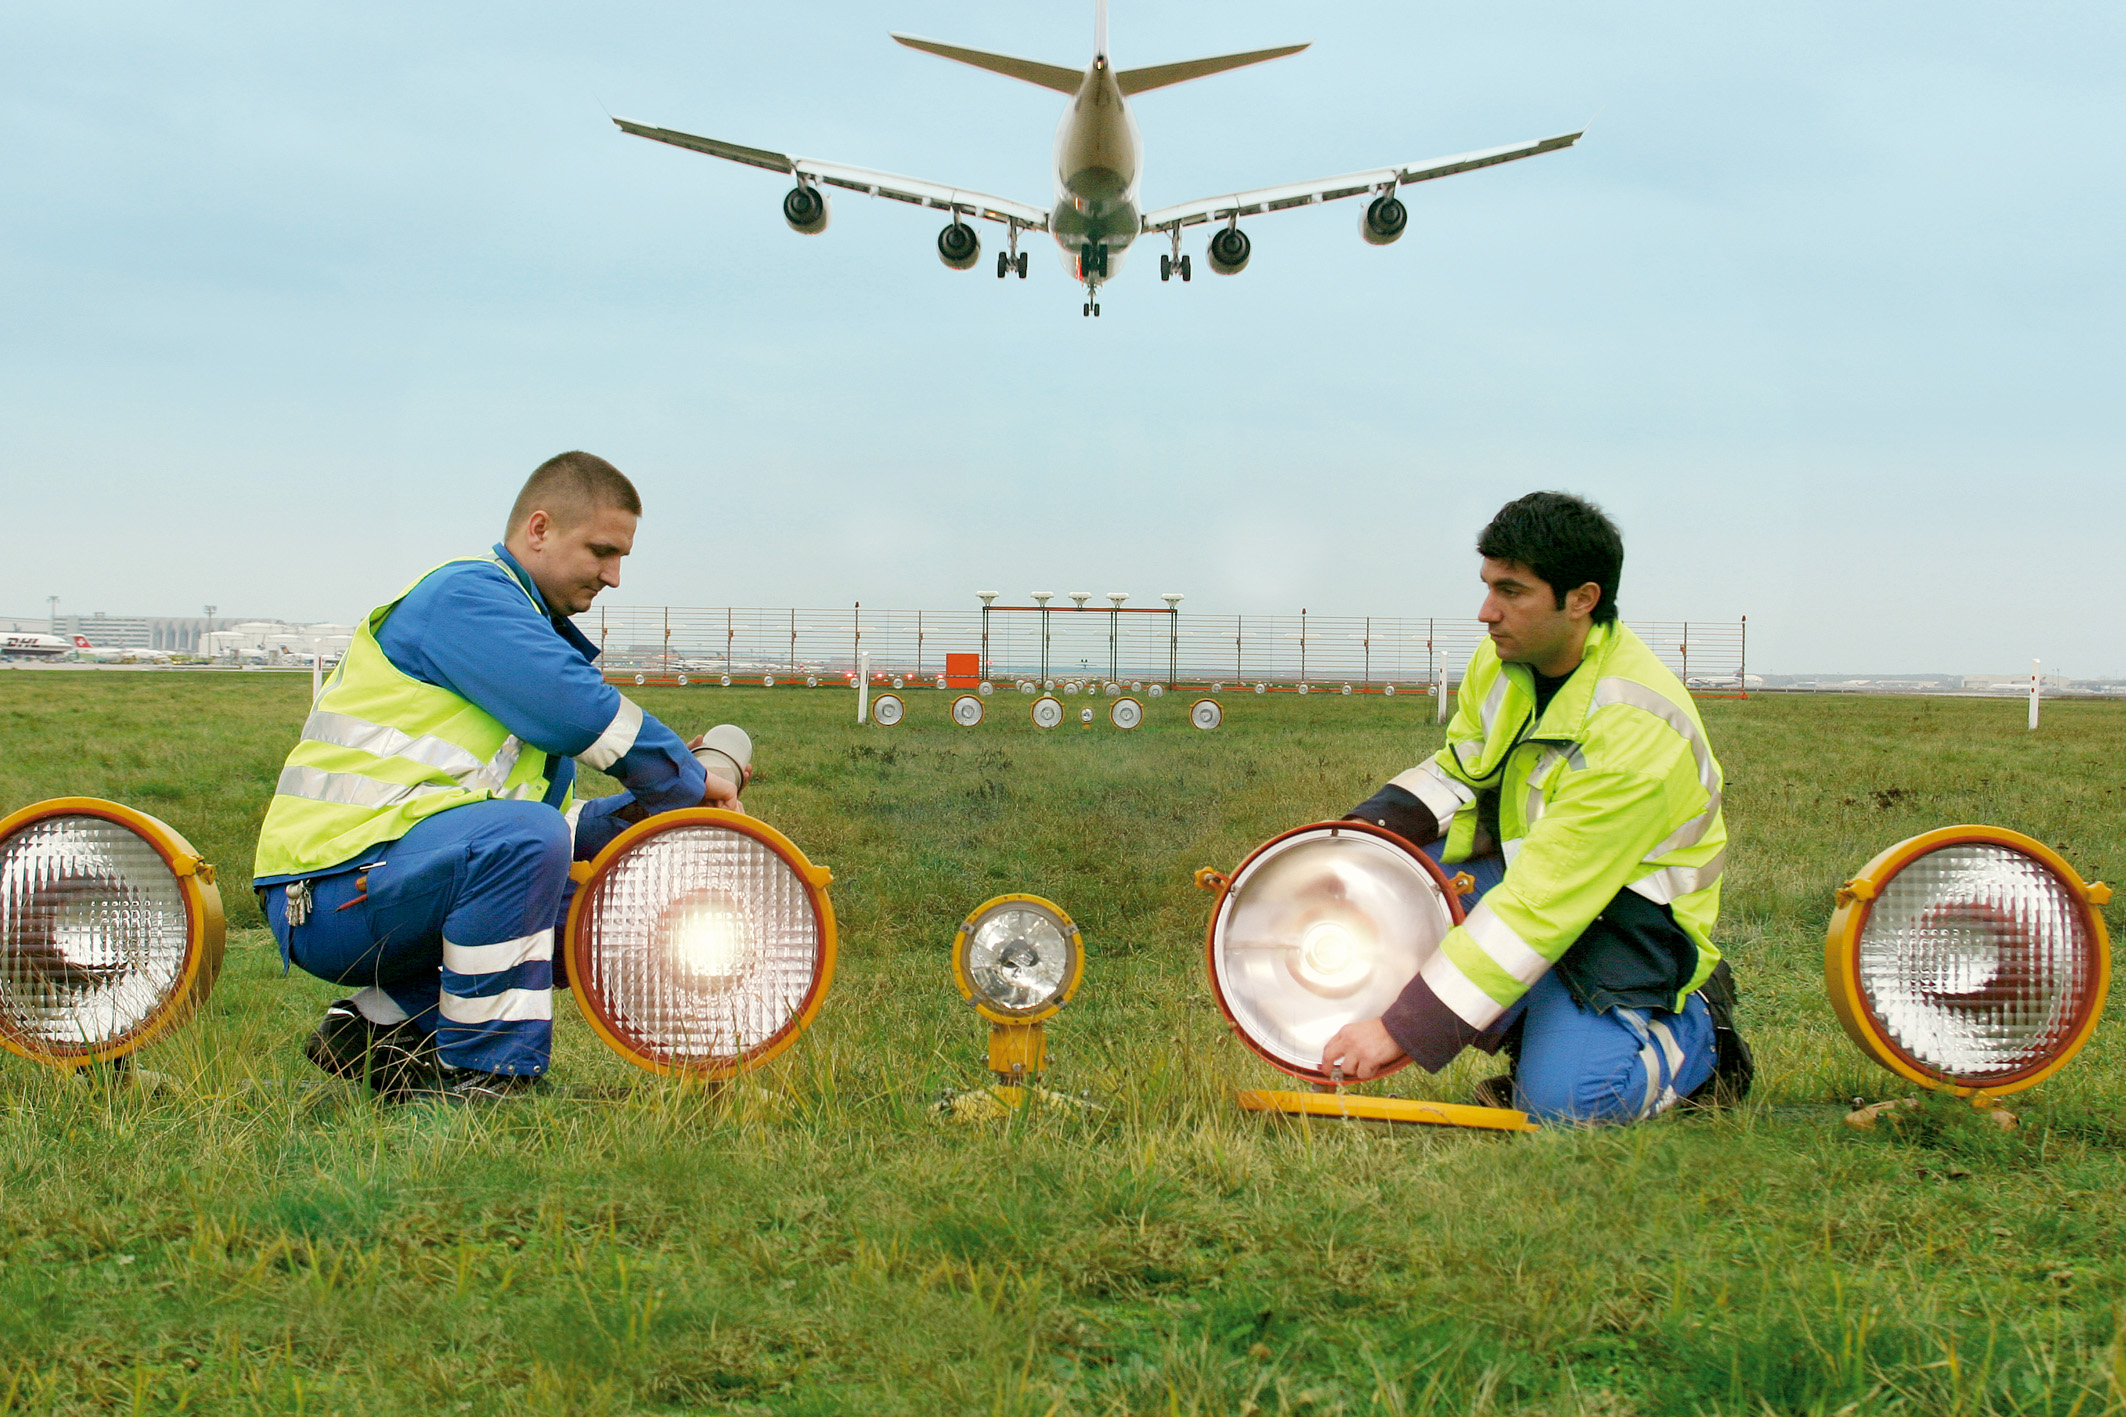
(1158, 76)
(1048, 76)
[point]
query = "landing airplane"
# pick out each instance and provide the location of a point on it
(16, 645)
(1099, 160)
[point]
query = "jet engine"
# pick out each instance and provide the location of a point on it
(1229, 250)
(959, 247)
(805, 208)
(1385, 219)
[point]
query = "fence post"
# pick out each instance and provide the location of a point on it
(1302, 644)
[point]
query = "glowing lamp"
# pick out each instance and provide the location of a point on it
(111, 931)
(1970, 959)
(887, 710)
(1047, 711)
(1018, 959)
(1125, 713)
(701, 942)
(967, 710)
(1206, 714)
(1321, 927)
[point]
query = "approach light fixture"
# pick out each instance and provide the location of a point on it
(985, 688)
(887, 710)
(1303, 688)
(1047, 711)
(1206, 714)
(767, 681)
(1085, 716)
(1389, 690)
(1970, 959)
(1157, 690)
(1320, 927)
(898, 682)
(966, 710)
(1347, 688)
(811, 681)
(1125, 713)
(682, 681)
(941, 681)
(701, 942)
(1018, 959)
(1079, 597)
(724, 679)
(111, 931)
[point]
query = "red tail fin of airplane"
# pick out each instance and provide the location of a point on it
(82, 642)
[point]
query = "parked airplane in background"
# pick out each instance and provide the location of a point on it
(1099, 160)
(116, 654)
(19, 645)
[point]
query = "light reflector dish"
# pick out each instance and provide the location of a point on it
(703, 942)
(1971, 958)
(1321, 927)
(887, 710)
(1018, 958)
(1205, 714)
(1047, 711)
(111, 930)
(967, 710)
(1125, 713)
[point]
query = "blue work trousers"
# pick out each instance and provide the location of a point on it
(453, 928)
(1578, 1066)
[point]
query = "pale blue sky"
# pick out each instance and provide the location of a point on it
(1826, 310)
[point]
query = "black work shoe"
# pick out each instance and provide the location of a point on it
(465, 1087)
(388, 1056)
(1494, 1092)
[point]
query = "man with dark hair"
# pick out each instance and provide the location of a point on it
(1579, 790)
(419, 838)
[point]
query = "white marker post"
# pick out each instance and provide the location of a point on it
(863, 686)
(2033, 695)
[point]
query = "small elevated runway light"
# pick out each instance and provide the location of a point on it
(111, 931)
(1318, 928)
(1970, 959)
(1018, 959)
(701, 942)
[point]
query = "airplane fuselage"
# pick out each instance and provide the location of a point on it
(1099, 164)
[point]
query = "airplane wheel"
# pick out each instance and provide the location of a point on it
(1184, 267)
(1096, 312)
(1003, 264)
(1166, 268)
(1088, 308)
(1022, 265)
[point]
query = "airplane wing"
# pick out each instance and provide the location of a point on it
(1352, 184)
(911, 190)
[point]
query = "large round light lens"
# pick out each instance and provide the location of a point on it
(1018, 958)
(1047, 711)
(110, 930)
(1321, 927)
(1971, 958)
(703, 942)
(1125, 713)
(1205, 714)
(967, 710)
(887, 710)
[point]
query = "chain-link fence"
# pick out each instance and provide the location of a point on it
(1093, 642)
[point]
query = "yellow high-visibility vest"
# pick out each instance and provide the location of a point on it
(380, 752)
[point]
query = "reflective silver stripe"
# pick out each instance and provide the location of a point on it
(348, 789)
(1638, 696)
(493, 959)
(1662, 887)
(1431, 784)
(619, 736)
(1506, 948)
(1511, 849)
(1469, 752)
(497, 1008)
(1459, 992)
(574, 814)
(1673, 1051)
(381, 740)
(379, 1007)
(1494, 701)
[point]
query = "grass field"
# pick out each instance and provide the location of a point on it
(256, 1238)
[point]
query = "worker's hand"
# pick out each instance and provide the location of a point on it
(722, 793)
(1361, 1049)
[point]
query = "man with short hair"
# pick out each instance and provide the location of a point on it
(1579, 790)
(419, 838)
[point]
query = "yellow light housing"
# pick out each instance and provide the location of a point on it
(1970, 959)
(701, 942)
(1018, 959)
(111, 931)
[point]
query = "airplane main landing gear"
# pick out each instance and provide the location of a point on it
(1176, 262)
(1092, 307)
(1013, 259)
